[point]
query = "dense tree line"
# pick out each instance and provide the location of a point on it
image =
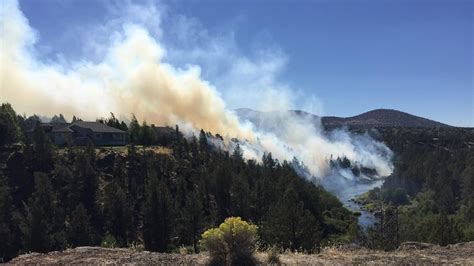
(430, 195)
(57, 197)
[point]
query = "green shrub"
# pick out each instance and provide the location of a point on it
(232, 243)
(109, 241)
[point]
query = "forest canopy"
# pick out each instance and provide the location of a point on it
(162, 193)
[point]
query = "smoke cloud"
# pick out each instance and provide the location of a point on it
(131, 76)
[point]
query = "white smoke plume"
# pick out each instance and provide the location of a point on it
(132, 76)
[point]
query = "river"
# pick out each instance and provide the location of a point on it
(346, 187)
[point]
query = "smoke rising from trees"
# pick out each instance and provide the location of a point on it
(132, 77)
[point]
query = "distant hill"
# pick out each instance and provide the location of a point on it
(373, 119)
(382, 118)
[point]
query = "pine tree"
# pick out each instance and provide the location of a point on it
(193, 219)
(157, 215)
(9, 244)
(238, 154)
(63, 183)
(268, 161)
(123, 126)
(147, 135)
(43, 226)
(136, 173)
(223, 183)
(240, 192)
(178, 145)
(9, 127)
(58, 119)
(87, 181)
(134, 130)
(80, 231)
(468, 192)
(194, 149)
(291, 226)
(118, 214)
(443, 187)
(443, 230)
(203, 144)
(19, 175)
(42, 152)
(112, 121)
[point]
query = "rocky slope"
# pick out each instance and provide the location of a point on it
(408, 253)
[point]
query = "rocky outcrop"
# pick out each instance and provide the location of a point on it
(102, 256)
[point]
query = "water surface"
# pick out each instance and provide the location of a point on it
(346, 186)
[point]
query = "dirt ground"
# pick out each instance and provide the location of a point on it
(409, 253)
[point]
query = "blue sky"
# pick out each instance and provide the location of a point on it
(332, 57)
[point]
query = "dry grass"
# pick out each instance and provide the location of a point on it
(159, 149)
(124, 149)
(139, 148)
(458, 254)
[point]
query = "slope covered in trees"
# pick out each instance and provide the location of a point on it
(430, 195)
(52, 198)
(165, 197)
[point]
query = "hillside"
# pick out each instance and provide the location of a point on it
(372, 119)
(382, 118)
(161, 193)
(408, 253)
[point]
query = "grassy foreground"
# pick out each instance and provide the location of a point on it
(408, 253)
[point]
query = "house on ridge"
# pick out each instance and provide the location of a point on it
(80, 133)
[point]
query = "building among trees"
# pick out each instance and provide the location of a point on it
(80, 133)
